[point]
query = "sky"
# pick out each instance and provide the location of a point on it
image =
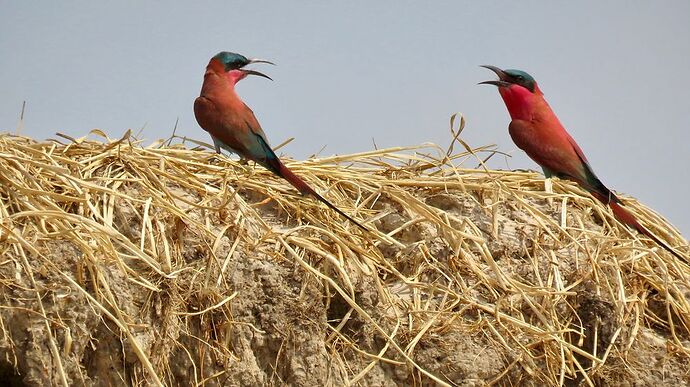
(351, 74)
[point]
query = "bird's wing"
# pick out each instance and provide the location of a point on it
(263, 152)
(548, 151)
(211, 120)
(255, 142)
(576, 148)
(252, 123)
(557, 152)
(206, 113)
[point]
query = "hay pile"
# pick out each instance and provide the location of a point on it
(131, 265)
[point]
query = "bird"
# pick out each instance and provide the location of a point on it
(536, 129)
(232, 124)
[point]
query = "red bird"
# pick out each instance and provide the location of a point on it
(233, 126)
(536, 130)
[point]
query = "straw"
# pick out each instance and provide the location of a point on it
(154, 244)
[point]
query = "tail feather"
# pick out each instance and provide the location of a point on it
(630, 220)
(271, 161)
(281, 170)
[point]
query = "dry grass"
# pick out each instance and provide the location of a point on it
(453, 249)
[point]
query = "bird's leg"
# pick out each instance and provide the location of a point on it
(216, 144)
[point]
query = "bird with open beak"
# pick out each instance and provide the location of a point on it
(535, 129)
(232, 124)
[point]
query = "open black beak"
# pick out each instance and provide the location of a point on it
(252, 72)
(502, 76)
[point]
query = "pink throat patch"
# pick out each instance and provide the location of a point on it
(518, 100)
(235, 76)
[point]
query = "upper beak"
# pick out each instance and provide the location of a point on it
(255, 60)
(503, 77)
(252, 72)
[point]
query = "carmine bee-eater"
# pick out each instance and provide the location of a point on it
(233, 126)
(536, 130)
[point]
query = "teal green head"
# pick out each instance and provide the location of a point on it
(507, 78)
(233, 62)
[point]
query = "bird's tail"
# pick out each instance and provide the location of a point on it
(630, 220)
(281, 170)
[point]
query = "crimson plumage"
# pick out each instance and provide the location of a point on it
(536, 129)
(232, 124)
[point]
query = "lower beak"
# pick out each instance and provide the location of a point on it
(252, 72)
(496, 83)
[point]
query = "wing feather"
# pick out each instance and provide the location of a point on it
(556, 152)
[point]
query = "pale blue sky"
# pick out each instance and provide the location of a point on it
(616, 73)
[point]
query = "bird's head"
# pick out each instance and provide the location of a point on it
(233, 65)
(512, 78)
(519, 91)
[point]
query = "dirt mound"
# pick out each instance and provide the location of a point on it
(131, 265)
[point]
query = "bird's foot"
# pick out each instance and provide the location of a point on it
(216, 159)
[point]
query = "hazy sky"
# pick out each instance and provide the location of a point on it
(616, 73)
